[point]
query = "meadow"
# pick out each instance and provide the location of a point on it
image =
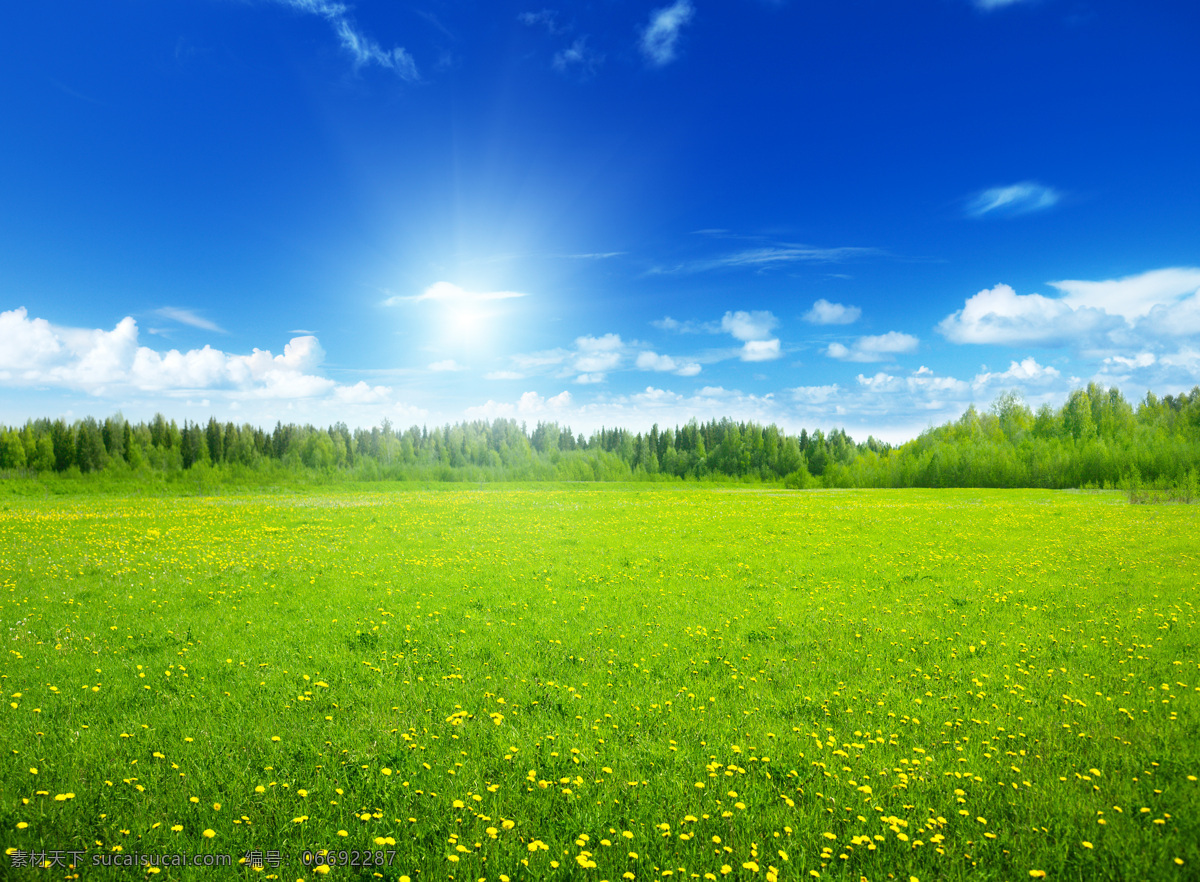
(601, 683)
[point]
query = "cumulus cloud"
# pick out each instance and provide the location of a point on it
(760, 350)
(362, 48)
(1141, 360)
(36, 354)
(652, 361)
(660, 37)
(530, 404)
(816, 394)
(1150, 305)
(743, 325)
(825, 313)
(595, 355)
(1015, 199)
(361, 393)
(879, 347)
(1137, 297)
(1001, 315)
(1025, 371)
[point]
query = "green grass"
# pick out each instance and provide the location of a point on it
(492, 682)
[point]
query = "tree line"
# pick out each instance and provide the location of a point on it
(1096, 439)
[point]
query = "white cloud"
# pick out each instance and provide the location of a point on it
(1022, 198)
(595, 355)
(503, 375)
(661, 36)
(1149, 305)
(1132, 297)
(1186, 358)
(361, 393)
(37, 354)
(815, 394)
(187, 317)
(1001, 315)
(448, 364)
(760, 350)
(881, 382)
(1141, 360)
(666, 323)
(1025, 371)
(652, 361)
(825, 313)
(591, 378)
(880, 347)
(743, 325)
(364, 50)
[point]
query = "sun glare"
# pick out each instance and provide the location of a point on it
(465, 322)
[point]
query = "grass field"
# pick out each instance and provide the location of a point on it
(583, 683)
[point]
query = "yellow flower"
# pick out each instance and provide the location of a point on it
(209, 834)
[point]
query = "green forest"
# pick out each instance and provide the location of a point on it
(1097, 439)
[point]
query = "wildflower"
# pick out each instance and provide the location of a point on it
(209, 833)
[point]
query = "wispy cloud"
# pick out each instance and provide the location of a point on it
(996, 4)
(187, 317)
(448, 291)
(1022, 198)
(767, 257)
(880, 347)
(545, 18)
(661, 36)
(364, 50)
(448, 364)
(825, 313)
(578, 57)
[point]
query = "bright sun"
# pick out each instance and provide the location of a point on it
(465, 321)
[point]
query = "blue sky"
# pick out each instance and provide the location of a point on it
(859, 214)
